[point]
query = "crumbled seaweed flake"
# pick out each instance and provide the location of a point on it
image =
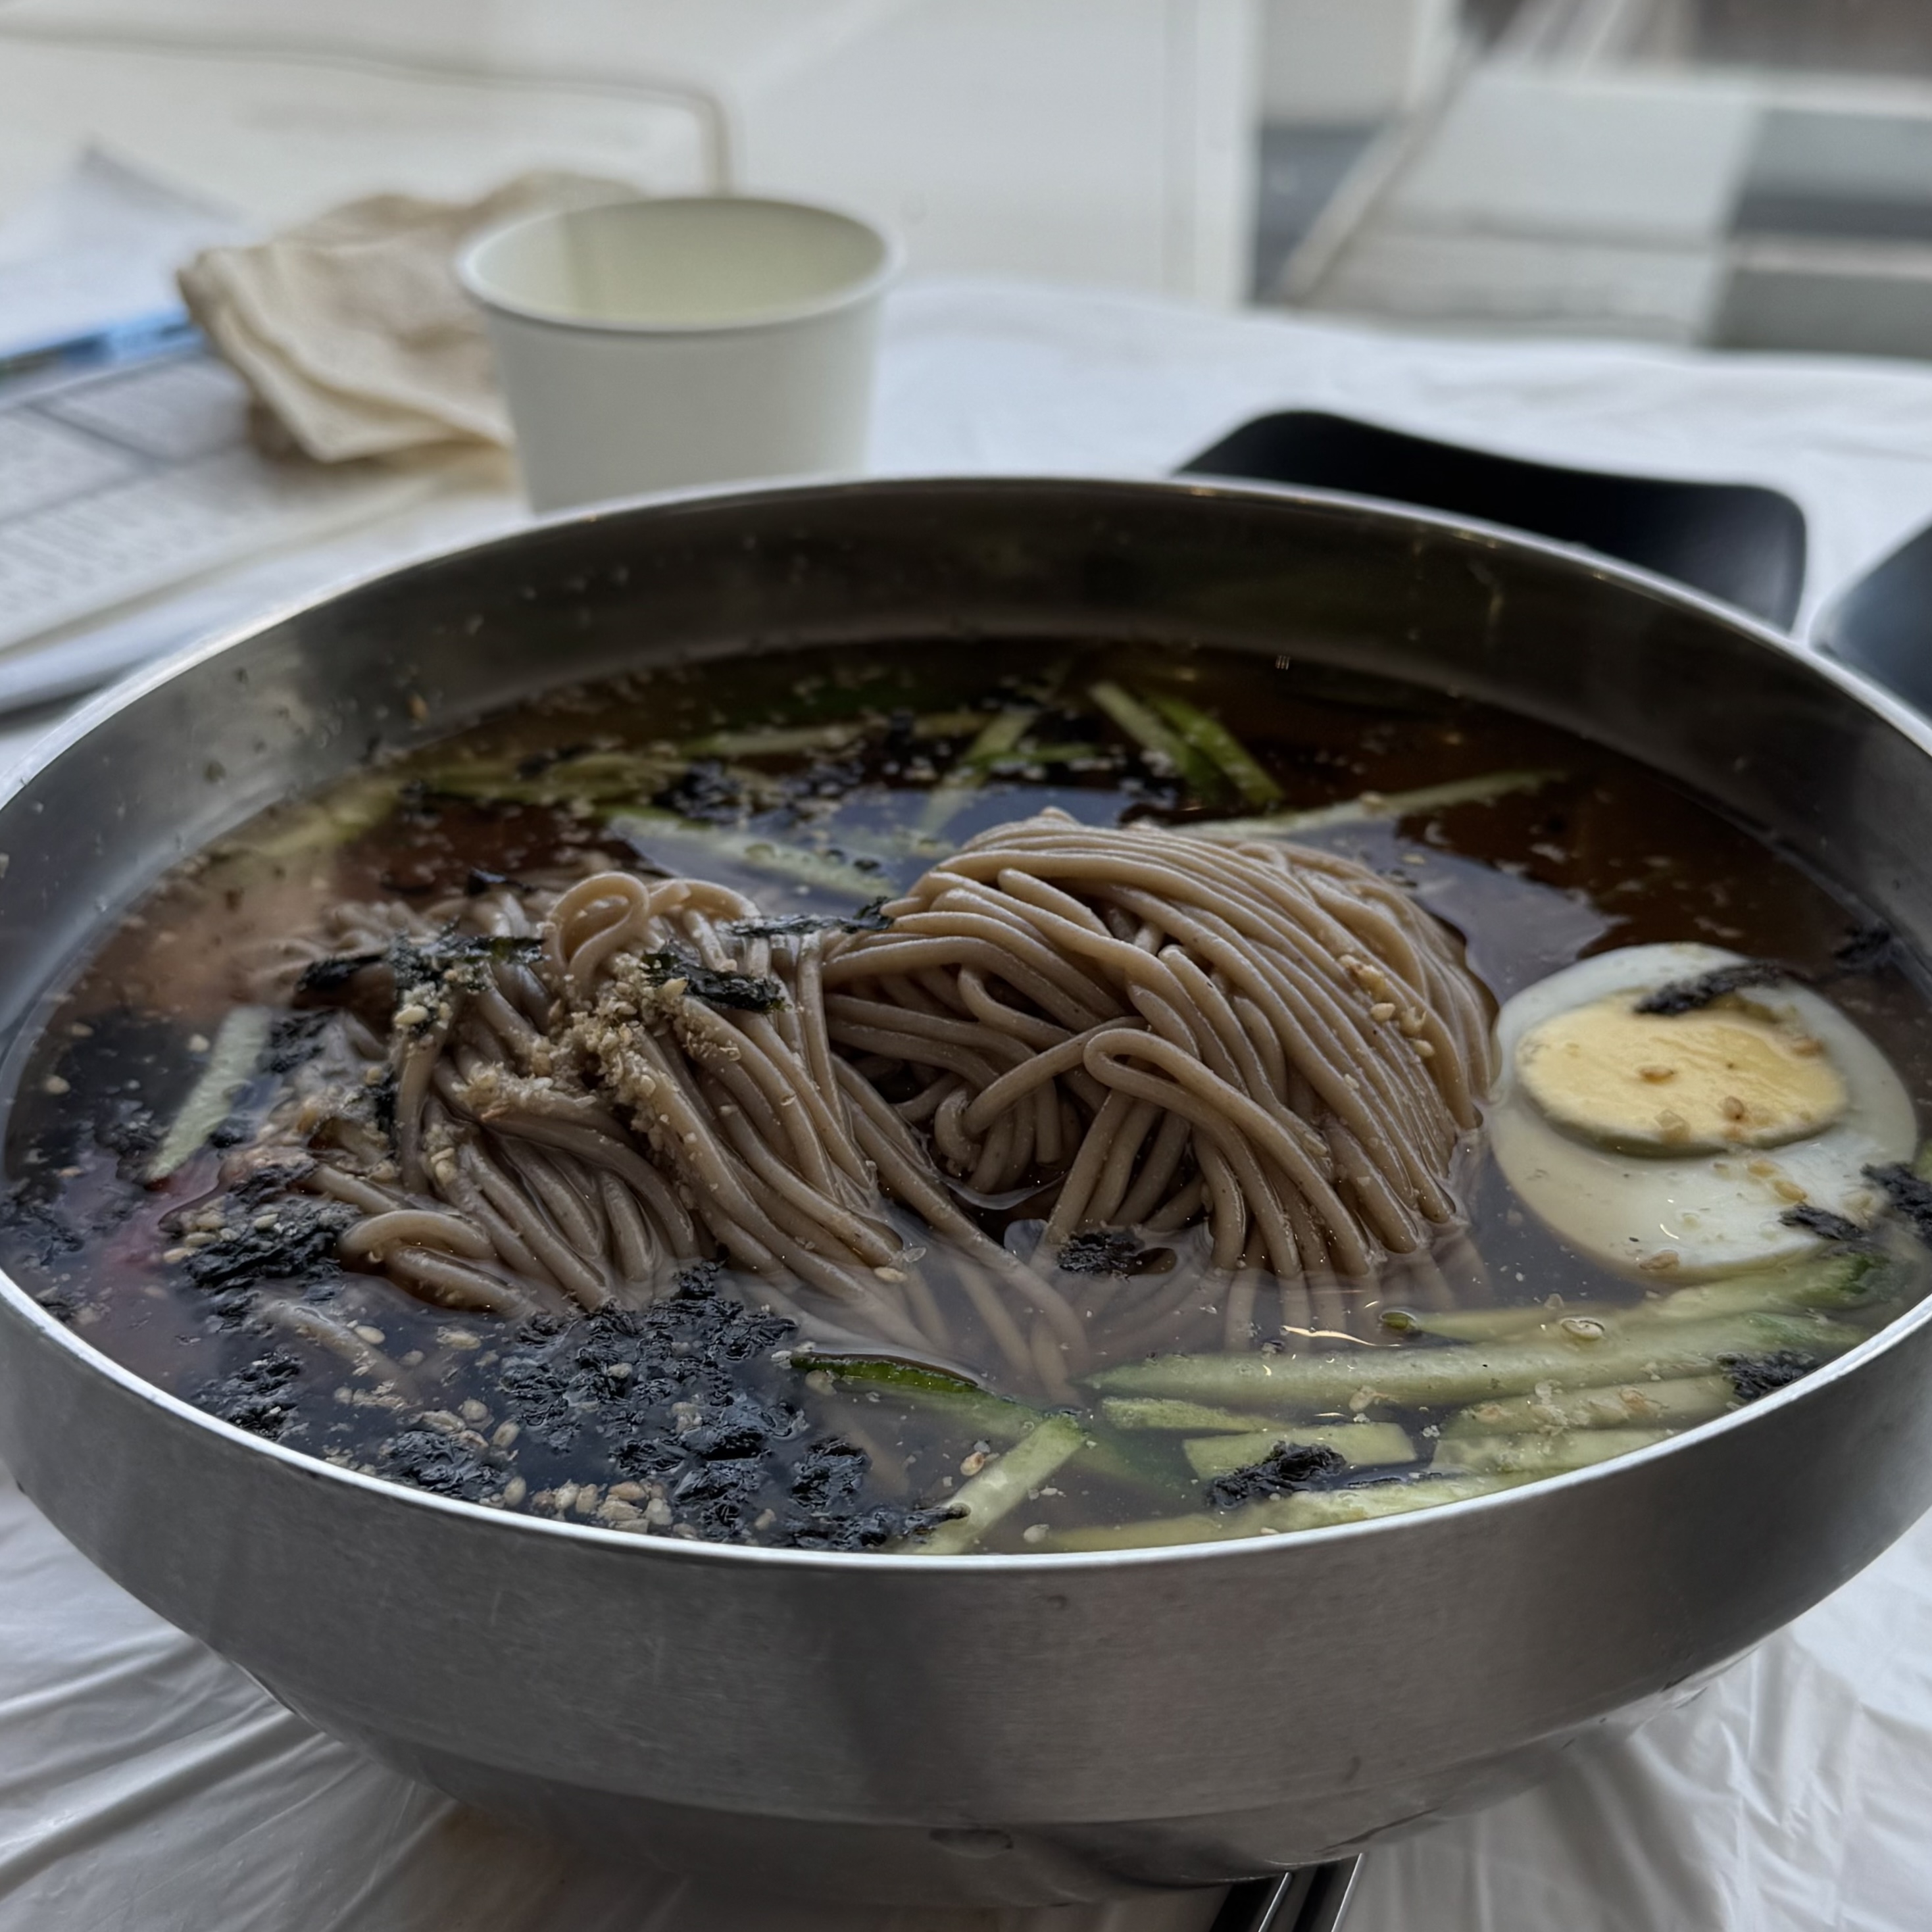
(1101, 1251)
(261, 1185)
(414, 963)
(1822, 1223)
(1764, 1375)
(707, 791)
(45, 1231)
(1865, 948)
(426, 1459)
(256, 1397)
(801, 792)
(1286, 1468)
(383, 1102)
(829, 1474)
(128, 1130)
(713, 1495)
(535, 1397)
(1910, 1195)
(868, 1529)
(538, 763)
(745, 1426)
(298, 1246)
(870, 917)
(466, 957)
(1693, 995)
(745, 992)
(684, 1396)
(294, 1039)
(322, 978)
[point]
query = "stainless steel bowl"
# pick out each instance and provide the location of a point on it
(1029, 1729)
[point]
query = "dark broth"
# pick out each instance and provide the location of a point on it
(628, 1419)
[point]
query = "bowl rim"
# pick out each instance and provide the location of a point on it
(73, 731)
(493, 300)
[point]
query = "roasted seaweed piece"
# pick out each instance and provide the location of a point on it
(687, 1398)
(1691, 996)
(1911, 1196)
(322, 979)
(869, 1529)
(869, 917)
(466, 955)
(257, 1396)
(294, 1039)
(298, 1245)
(746, 992)
(707, 791)
(1865, 949)
(417, 962)
(428, 1458)
(1101, 1251)
(1827, 1225)
(1765, 1375)
(1286, 1468)
(34, 1220)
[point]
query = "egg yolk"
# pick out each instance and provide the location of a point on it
(1725, 1076)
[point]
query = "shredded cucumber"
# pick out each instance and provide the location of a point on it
(1309, 1509)
(1374, 804)
(1468, 1324)
(1146, 730)
(1213, 740)
(756, 851)
(1361, 1444)
(1003, 1485)
(231, 1061)
(1540, 1455)
(1138, 1412)
(1426, 1378)
(1675, 1405)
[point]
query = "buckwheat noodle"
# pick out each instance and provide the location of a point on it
(545, 1097)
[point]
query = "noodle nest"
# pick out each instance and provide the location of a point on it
(1259, 1064)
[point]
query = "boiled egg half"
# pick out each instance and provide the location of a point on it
(1672, 1144)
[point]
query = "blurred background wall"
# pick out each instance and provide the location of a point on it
(1753, 173)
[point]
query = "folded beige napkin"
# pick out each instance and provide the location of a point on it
(352, 330)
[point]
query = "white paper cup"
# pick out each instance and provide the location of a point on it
(647, 345)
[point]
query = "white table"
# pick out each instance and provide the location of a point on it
(145, 1786)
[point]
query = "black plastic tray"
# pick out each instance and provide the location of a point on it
(1736, 541)
(1882, 625)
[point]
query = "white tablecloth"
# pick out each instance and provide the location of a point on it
(146, 1786)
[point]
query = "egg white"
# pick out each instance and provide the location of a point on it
(1632, 1212)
